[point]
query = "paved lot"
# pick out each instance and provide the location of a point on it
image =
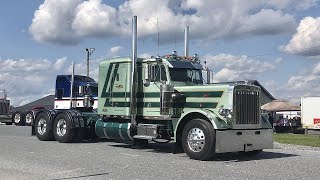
(23, 156)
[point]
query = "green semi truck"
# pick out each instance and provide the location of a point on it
(163, 99)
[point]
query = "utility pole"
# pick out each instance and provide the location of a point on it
(89, 52)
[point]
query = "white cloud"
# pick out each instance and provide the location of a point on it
(92, 18)
(144, 55)
(296, 4)
(52, 22)
(306, 41)
(67, 22)
(115, 50)
(228, 67)
(30, 79)
(306, 83)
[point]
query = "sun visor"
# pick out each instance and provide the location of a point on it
(183, 65)
(197, 65)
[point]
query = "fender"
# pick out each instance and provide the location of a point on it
(49, 113)
(74, 116)
(216, 121)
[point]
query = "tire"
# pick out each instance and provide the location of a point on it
(251, 153)
(8, 123)
(62, 130)
(18, 118)
(203, 147)
(28, 118)
(43, 128)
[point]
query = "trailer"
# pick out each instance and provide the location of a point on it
(5, 109)
(162, 99)
(310, 114)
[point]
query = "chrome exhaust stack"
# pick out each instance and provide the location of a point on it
(133, 99)
(186, 41)
(72, 84)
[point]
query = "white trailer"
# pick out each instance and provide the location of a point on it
(310, 113)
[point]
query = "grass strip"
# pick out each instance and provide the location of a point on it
(298, 139)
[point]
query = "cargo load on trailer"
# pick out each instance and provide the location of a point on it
(163, 99)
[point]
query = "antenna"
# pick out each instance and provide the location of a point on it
(158, 35)
(175, 40)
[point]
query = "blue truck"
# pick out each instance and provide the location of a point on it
(62, 99)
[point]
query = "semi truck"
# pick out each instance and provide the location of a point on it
(310, 114)
(5, 109)
(163, 99)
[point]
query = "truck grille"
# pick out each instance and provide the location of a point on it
(247, 106)
(4, 106)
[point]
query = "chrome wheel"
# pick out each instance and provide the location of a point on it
(61, 127)
(42, 126)
(196, 139)
(17, 118)
(29, 118)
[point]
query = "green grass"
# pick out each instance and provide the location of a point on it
(299, 139)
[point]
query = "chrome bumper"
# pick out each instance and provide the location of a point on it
(243, 140)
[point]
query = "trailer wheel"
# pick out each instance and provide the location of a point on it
(29, 118)
(18, 118)
(42, 127)
(62, 129)
(198, 139)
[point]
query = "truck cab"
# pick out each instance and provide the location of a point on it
(173, 102)
(83, 85)
(5, 108)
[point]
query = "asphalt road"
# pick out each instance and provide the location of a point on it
(23, 156)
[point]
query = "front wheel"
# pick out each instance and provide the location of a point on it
(198, 139)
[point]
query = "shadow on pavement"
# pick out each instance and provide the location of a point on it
(229, 157)
(236, 157)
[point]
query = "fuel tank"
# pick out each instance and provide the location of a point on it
(114, 130)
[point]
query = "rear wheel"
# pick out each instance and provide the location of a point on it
(62, 129)
(42, 127)
(29, 118)
(18, 118)
(198, 139)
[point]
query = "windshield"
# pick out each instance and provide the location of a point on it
(186, 75)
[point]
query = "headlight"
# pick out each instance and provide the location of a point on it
(225, 112)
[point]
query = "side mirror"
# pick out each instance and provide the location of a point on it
(80, 90)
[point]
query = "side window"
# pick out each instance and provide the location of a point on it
(160, 73)
(59, 93)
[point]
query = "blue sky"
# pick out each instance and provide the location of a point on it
(273, 41)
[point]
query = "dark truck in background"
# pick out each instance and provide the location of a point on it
(18, 116)
(5, 109)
